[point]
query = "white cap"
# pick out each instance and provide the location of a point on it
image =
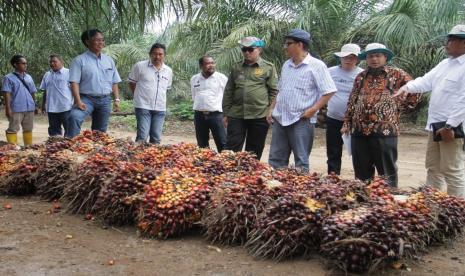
(348, 49)
(458, 30)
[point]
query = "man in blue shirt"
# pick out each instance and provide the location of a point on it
(93, 77)
(57, 100)
(18, 88)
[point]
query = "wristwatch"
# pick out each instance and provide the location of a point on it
(447, 126)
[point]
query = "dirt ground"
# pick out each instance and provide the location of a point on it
(34, 241)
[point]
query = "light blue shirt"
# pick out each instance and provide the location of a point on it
(21, 99)
(344, 81)
(300, 87)
(59, 97)
(95, 75)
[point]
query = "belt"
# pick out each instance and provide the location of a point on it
(95, 96)
(207, 112)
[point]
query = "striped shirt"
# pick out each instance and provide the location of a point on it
(300, 87)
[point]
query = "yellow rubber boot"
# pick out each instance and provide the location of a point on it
(12, 138)
(27, 138)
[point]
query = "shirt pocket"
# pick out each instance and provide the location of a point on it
(452, 83)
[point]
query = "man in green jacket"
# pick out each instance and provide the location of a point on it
(251, 88)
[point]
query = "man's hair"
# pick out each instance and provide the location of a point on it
(158, 46)
(55, 56)
(88, 35)
(202, 59)
(15, 59)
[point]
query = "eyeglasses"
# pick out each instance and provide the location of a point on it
(248, 49)
(21, 63)
(288, 43)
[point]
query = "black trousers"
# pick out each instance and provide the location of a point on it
(55, 122)
(369, 153)
(334, 145)
(204, 122)
(252, 131)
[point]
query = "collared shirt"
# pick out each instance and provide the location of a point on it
(21, 99)
(58, 94)
(344, 81)
(95, 75)
(447, 83)
(151, 85)
(300, 87)
(250, 90)
(372, 111)
(207, 93)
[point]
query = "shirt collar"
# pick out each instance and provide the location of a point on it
(305, 61)
(163, 66)
(260, 62)
(460, 59)
(88, 52)
(212, 76)
(59, 71)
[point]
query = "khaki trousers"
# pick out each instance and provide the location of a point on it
(23, 119)
(445, 164)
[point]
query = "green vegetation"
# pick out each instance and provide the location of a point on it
(413, 29)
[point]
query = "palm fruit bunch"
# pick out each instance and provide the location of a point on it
(288, 227)
(115, 204)
(297, 179)
(83, 187)
(172, 203)
(448, 211)
(19, 175)
(154, 156)
(228, 161)
(55, 171)
(95, 136)
(363, 238)
(55, 144)
(235, 206)
(380, 191)
(338, 195)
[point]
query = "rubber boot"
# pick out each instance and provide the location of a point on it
(27, 138)
(12, 138)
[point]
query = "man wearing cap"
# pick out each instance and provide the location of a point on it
(445, 158)
(207, 93)
(372, 116)
(249, 92)
(343, 76)
(305, 87)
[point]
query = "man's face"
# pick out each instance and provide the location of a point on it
(157, 56)
(376, 60)
(208, 66)
(349, 62)
(250, 54)
(55, 64)
(291, 47)
(455, 46)
(96, 43)
(21, 65)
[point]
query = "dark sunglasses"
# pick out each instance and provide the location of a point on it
(247, 49)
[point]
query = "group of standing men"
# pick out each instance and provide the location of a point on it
(365, 104)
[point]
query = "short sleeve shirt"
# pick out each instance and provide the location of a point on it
(95, 75)
(207, 93)
(58, 93)
(21, 99)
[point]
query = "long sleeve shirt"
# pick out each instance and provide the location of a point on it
(446, 82)
(372, 111)
(250, 90)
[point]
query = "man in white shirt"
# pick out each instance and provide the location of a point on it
(58, 99)
(343, 76)
(445, 159)
(149, 81)
(207, 93)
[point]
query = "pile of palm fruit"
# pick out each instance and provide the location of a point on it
(166, 191)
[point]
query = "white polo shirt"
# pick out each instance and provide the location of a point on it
(151, 85)
(207, 93)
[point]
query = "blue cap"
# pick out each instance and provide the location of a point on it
(299, 35)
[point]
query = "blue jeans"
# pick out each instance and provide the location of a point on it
(204, 122)
(55, 122)
(99, 107)
(297, 138)
(149, 122)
